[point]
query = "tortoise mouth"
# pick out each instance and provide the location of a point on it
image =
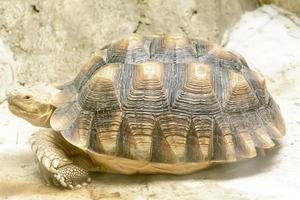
(19, 111)
(15, 108)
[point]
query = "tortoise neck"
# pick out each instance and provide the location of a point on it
(44, 119)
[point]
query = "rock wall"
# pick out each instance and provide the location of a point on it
(51, 40)
(6, 70)
(270, 45)
(291, 5)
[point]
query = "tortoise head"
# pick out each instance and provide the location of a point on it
(31, 106)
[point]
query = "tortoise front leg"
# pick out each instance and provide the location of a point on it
(53, 157)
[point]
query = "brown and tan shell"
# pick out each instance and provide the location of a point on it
(170, 100)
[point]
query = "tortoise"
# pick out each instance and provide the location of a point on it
(151, 104)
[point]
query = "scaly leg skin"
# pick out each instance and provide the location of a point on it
(54, 164)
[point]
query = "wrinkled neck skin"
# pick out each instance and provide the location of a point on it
(44, 119)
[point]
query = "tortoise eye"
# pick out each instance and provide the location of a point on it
(27, 97)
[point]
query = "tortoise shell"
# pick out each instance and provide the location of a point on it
(168, 99)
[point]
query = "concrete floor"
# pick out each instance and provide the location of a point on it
(273, 46)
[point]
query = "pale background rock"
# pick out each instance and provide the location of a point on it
(268, 38)
(291, 5)
(272, 47)
(7, 65)
(52, 39)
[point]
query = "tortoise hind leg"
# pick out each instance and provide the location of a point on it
(53, 157)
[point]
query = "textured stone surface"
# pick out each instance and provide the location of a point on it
(272, 47)
(269, 40)
(7, 65)
(52, 39)
(291, 5)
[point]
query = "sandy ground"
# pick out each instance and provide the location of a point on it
(271, 177)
